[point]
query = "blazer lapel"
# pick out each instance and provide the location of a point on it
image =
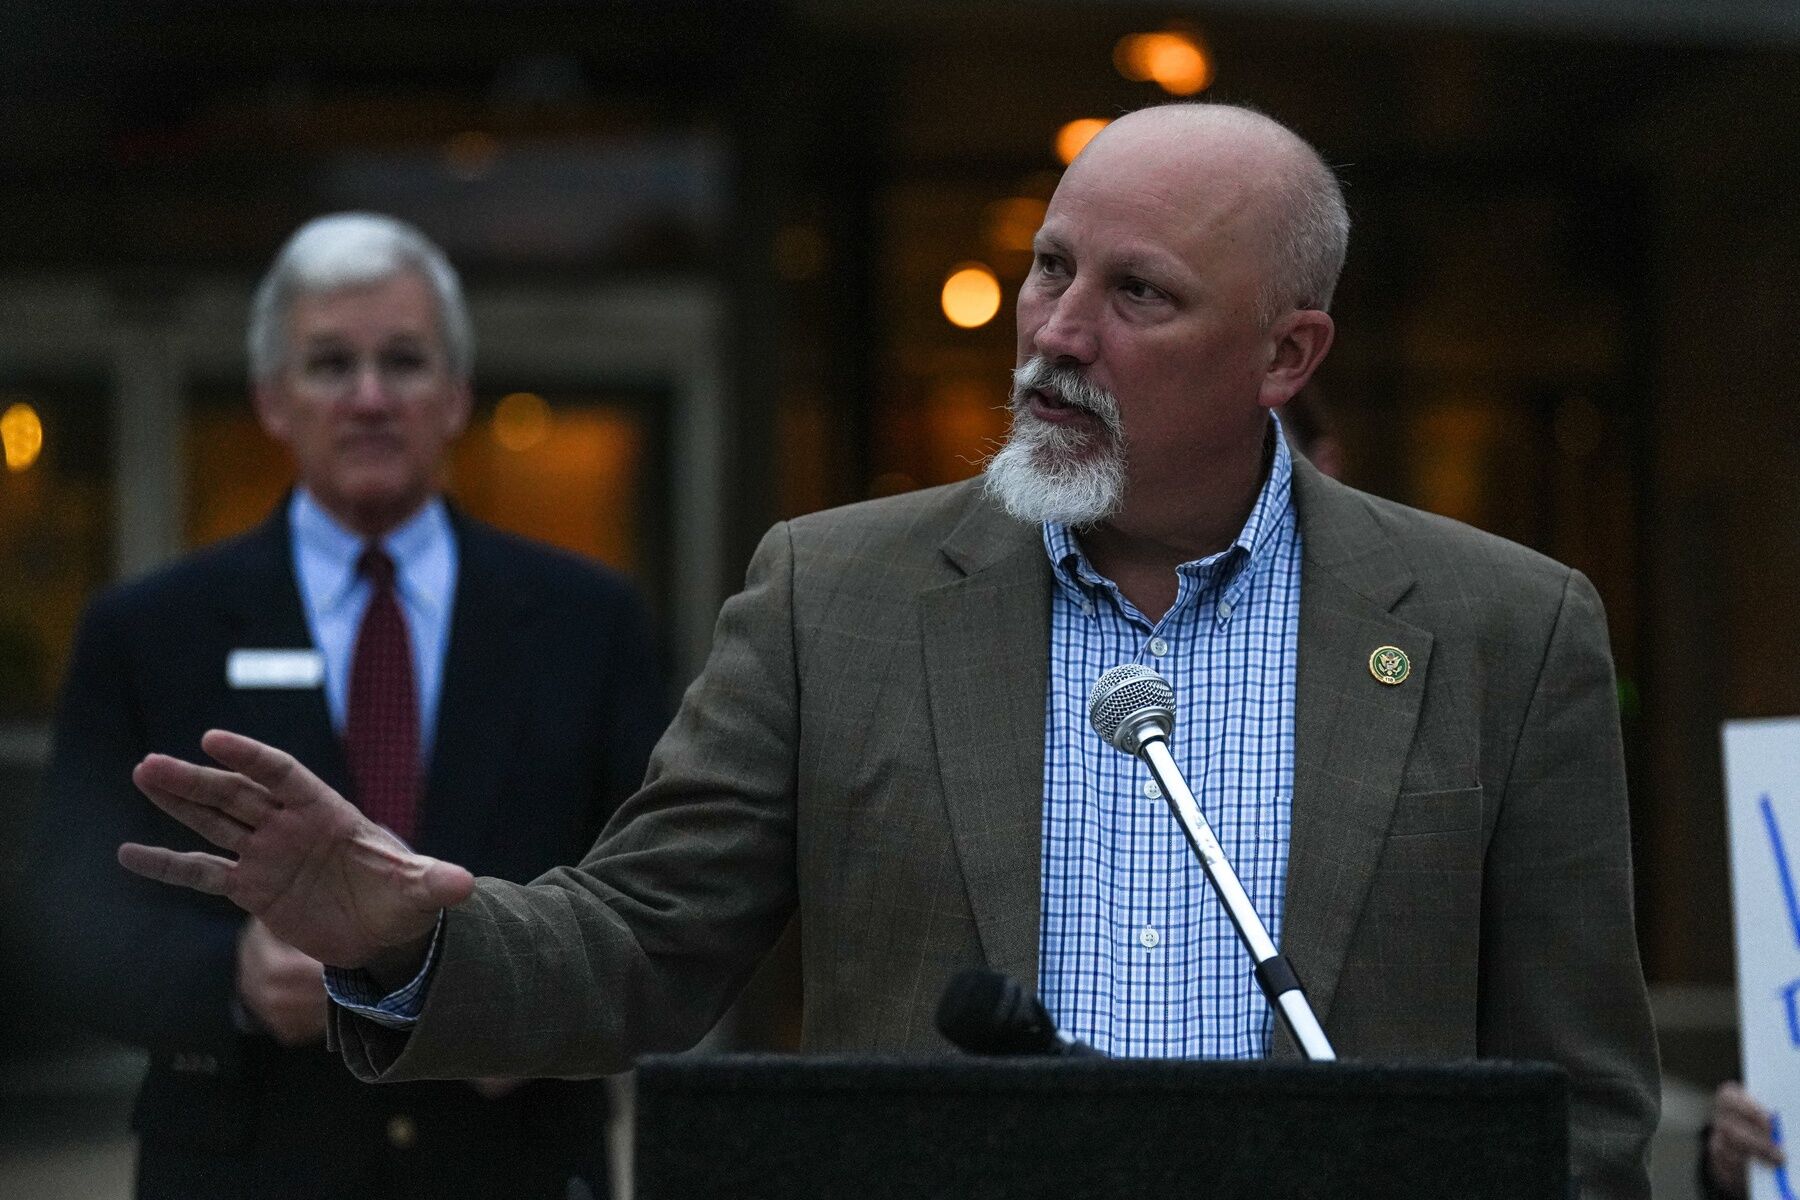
(260, 602)
(1351, 731)
(478, 724)
(985, 636)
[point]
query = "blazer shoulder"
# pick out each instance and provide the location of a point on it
(178, 587)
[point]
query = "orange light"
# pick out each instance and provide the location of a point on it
(521, 421)
(22, 434)
(1175, 60)
(1012, 223)
(470, 155)
(971, 296)
(1072, 138)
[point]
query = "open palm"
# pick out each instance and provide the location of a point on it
(323, 877)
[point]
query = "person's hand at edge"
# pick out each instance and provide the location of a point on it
(1741, 1131)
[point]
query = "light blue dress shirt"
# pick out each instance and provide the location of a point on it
(1136, 956)
(335, 597)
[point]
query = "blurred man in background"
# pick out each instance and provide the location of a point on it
(484, 698)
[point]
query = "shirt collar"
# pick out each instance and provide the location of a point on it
(1251, 546)
(327, 552)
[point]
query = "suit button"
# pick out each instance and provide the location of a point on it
(402, 1132)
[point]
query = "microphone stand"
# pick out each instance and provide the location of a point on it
(1273, 971)
(1144, 732)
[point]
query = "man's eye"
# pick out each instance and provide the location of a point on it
(1137, 289)
(328, 366)
(404, 362)
(1049, 264)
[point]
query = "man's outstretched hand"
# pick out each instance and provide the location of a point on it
(323, 877)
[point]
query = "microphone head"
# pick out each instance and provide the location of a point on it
(1124, 698)
(985, 1012)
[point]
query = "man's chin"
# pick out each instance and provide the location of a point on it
(1058, 460)
(372, 503)
(1050, 486)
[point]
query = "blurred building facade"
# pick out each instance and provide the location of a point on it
(707, 247)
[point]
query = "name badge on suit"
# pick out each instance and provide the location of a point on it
(284, 669)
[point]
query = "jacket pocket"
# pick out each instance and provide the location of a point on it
(1455, 811)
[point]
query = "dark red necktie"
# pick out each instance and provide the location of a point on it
(381, 735)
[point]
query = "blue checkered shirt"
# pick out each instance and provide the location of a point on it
(1137, 957)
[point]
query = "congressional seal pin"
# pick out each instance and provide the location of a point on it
(1390, 665)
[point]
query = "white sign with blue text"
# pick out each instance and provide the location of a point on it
(1762, 799)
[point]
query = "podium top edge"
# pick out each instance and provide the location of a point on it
(791, 1073)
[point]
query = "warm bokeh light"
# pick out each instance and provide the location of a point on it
(470, 155)
(1174, 60)
(971, 296)
(22, 433)
(1073, 137)
(1010, 224)
(581, 490)
(521, 421)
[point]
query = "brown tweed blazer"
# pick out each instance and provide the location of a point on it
(865, 745)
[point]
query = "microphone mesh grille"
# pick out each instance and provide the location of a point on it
(1124, 690)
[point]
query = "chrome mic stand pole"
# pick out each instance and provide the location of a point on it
(1133, 708)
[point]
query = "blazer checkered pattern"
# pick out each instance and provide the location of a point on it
(865, 746)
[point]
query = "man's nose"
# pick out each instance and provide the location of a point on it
(370, 387)
(1070, 333)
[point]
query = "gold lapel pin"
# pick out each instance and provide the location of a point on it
(1390, 665)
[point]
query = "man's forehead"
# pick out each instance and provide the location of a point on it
(1115, 244)
(1149, 213)
(397, 302)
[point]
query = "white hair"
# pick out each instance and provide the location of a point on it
(347, 250)
(1310, 232)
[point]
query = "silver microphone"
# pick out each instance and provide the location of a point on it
(1130, 702)
(1133, 708)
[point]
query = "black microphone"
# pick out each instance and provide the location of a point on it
(985, 1012)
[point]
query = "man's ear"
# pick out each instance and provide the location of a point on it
(271, 411)
(1298, 343)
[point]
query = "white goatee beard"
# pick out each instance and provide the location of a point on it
(1049, 472)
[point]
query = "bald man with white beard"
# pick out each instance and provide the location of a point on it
(1403, 730)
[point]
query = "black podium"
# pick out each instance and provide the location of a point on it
(875, 1129)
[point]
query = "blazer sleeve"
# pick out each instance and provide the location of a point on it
(641, 946)
(1560, 975)
(142, 963)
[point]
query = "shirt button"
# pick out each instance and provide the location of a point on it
(1149, 937)
(1151, 790)
(1158, 647)
(1224, 609)
(402, 1132)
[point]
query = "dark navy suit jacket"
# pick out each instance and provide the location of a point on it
(551, 701)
